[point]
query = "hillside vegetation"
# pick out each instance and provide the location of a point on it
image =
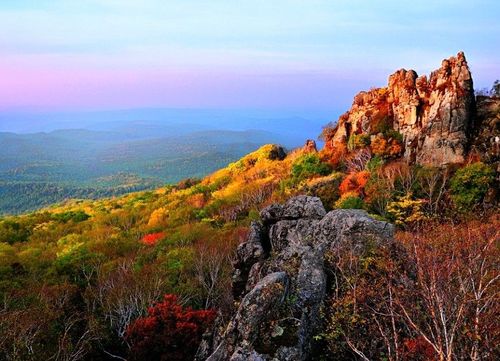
(74, 277)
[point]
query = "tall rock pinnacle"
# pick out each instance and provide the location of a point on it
(434, 116)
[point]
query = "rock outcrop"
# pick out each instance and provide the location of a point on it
(280, 280)
(433, 115)
(486, 135)
(310, 146)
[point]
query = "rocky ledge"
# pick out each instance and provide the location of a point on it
(280, 278)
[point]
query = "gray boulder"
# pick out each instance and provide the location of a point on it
(280, 278)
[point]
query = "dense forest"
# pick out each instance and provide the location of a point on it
(16, 197)
(40, 169)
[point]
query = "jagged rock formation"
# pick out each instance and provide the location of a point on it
(277, 152)
(434, 116)
(280, 278)
(310, 146)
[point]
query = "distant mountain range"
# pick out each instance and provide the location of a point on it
(292, 125)
(42, 168)
(48, 157)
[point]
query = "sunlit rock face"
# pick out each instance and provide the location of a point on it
(434, 115)
(310, 146)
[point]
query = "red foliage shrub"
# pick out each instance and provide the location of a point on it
(169, 332)
(418, 349)
(152, 238)
(354, 183)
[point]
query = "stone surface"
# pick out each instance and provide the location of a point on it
(310, 146)
(433, 115)
(277, 152)
(248, 254)
(295, 208)
(486, 136)
(255, 309)
(286, 280)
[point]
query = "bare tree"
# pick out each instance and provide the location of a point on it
(367, 296)
(356, 162)
(433, 183)
(213, 267)
(457, 288)
(73, 347)
(124, 294)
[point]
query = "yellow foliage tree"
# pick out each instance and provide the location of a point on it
(406, 210)
(157, 217)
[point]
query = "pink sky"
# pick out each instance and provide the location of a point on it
(101, 54)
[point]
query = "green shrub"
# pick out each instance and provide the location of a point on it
(12, 231)
(309, 165)
(357, 141)
(373, 164)
(75, 216)
(470, 184)
(350, 202)
(326, 188)
(394, 134)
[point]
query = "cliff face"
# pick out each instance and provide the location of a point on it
(486, 132)
(281, 279)
(434, 115)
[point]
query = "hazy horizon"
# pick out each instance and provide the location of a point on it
(302, 124)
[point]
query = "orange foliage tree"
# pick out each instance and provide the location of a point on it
(354, 183)
(333, 154)
(386, 147)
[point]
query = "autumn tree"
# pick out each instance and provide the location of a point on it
(354, 183)
(213, 272)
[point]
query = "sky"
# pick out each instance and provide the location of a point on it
(309, 54)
